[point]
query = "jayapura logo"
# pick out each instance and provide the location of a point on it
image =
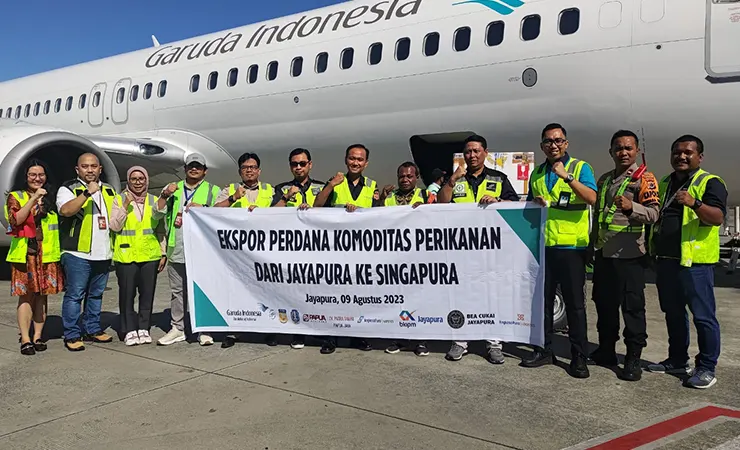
(503, 7)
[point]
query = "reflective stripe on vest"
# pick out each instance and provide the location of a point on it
(265, 194)
(205, 194)
(463, 192)
(416, 198)
(567, 215)
(298, 199)
(78, 235)
(343, 196)
(136, 242)
(50, 247)
(699, 241)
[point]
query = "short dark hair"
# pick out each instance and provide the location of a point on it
(553, 126)
(367, 150)
(247, 156)
(476, 138)
(408, 164)
(690, 138)
(297, 152)
(624, 133)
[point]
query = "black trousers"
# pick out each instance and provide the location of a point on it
(141, 277)
(620, 283)
(567, 268)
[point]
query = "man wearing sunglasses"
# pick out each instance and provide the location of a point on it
(567, 187)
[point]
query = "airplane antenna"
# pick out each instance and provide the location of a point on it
(644, 145)
(155, 41)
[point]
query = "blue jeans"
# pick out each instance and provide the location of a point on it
(84, 280)
(679, 287)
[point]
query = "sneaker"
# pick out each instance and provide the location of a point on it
(394, 348)
(298, 342)
(100, 337)
(456, 353)
(131, 339)
(328, 347)
(205, 339)
(74, 345)
(421, 350)
(495, 356)
(144, 337)
(172, 337)
(669, 367)
(702, 379)
(364, 345)
(271, 340)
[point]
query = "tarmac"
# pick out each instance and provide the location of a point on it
(252, 396)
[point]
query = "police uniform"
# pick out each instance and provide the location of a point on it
(686, 250)
(307, 194)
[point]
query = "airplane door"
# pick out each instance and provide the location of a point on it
(119, 101)
(722, 59)
(95, 105)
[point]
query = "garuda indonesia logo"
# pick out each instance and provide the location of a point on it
(503, 7)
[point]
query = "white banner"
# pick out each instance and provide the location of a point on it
(446, 272)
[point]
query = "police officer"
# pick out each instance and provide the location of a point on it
(626, 202)
(406, 194)
(300, 192)
(250, 193)
(174, 201)
(566, 186)
(351, 191)
(685, 242)
(477, 183)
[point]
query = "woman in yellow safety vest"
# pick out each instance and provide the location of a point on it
(34, 252)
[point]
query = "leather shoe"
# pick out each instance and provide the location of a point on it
(578, 367)
(539, 358)
(632, 370)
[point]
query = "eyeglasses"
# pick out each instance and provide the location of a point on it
(249, 168)
(558, 142)
(137, 180)
(36, 175)
(196, 165)
(298, 163)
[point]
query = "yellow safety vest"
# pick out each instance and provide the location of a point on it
(567, 222)
(699, 241)
(463, 192)
(298, 199)
(50, 248)
(417, 198)
(205, 194)
(606, 216)
(76, 231)
(137, 242)
(264, 196)
(342, 195)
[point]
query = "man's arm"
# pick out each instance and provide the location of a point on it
(585, 185)
(646, 202)
(324, 196)
(507, 191)
(67, 204)
(714, 207)
(222, 200)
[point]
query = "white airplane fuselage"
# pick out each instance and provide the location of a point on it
(661, 68)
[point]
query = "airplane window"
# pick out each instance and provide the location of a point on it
(252, 73)
(68, 104)
(83, 100)
(462, 39)
(403, 49)
(47, 106)
(348, 57)
(375, 54)
(431, 44)
(531, 27)
(322, 62)
(18, 112)
(96, 100)
(147, 91)
(134, 94)
(27, 110)
(162, 89)
(569, 21)
(212, 80)
(233, 77)
(296, 67)
(8, 113)
(58, 104)
(120, 95)
(272, 70)
(495, 33)
(36, 108)
(194, 83)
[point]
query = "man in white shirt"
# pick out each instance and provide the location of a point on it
(83, 206)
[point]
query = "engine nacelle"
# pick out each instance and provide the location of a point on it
(59, 149)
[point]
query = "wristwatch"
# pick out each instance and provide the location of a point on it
(569, 179)
(697, 204)
(86, 193)
(231, 200)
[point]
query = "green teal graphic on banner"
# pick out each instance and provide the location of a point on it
(206, 315)
(526, 224)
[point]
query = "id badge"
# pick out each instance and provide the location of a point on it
(102, 225)
(178, 220)
(564, 199)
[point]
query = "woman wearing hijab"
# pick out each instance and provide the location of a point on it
(34, 252)
(138, 252)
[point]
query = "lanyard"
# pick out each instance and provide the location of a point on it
(670, 200)
(194, 191)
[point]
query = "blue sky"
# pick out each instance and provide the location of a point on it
(41, 35)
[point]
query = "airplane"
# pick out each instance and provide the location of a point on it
(410, 79)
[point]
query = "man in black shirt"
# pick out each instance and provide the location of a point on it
(685, 242)
(480, 184)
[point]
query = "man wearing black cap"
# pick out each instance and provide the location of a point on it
(173, 201)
